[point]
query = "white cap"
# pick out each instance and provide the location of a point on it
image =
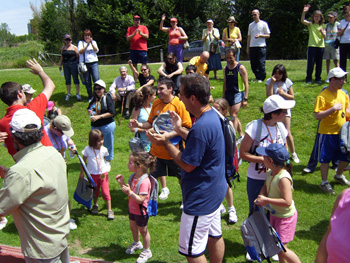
(22, 118)
(336, 73)
(210, 21)
(276, 102)
(101, 83)
(28, 89)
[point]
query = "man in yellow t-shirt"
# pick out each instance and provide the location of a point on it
(166, 102)
(331, 108)
(201, 63)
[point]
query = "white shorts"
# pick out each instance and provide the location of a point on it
(195, 230)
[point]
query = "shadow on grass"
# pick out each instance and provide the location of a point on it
(315, 232)
(170, 208)
(234, 250)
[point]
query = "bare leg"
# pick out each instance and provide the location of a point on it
(109, 205)
(229, 197)
(324, 171)
(146, 238)
(134, 230)
(68, 89)
(288, 256)
(341, 166)
(215, 76)
(234, 109)
(77, 88)
(162, 180)
(200, 259)
(336, 63)
(216, 249)
(328, 64)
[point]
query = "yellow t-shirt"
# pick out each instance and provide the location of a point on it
(333, 122)
(159, 107)
(315, 37)
(234, 33)
(201, 68)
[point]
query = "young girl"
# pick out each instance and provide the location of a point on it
(143, 100)
(222, 106)
(315, 48)
(281, 85)
(98, 167)
(277, 191)
(139, 163)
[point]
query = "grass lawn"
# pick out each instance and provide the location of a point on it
(98, 238)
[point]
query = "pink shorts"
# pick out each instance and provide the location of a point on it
(285, 227)
(103, 185)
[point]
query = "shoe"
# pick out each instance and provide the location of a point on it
(72, 224)
(295, 158)
(342, 180)
(308, 82)
(319, 82)
(307, 170)
(260, 81)
(78, 97)
(144, 256)
(239, 140)
(182, 206)
(127, 115)
(222, 209)
(110, 215)
(232, 215)
(94, 210)
(327, 80)
(327, 188)
(133, 247)
(247, 257)
(164, 193)
(216, 78)
(275, 258)
(3, 222)
(67, 97)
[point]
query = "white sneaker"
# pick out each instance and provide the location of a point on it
(3, 222)
(295, 158)
(232, 215)
(72, 224)
(275, 258)
(78, 97)
(327, 80)
(222, 209)
(144, 256)
(164, 193)
(133, 247)
(182, 206)
(307, 170)
(247, 257)
(67, 97)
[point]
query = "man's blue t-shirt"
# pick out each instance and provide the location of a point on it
(205, 187)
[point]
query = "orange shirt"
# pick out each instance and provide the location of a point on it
(174, 36)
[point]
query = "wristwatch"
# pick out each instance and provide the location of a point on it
(245, 99)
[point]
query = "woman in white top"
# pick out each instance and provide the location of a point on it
(88, 50)
(344, 33)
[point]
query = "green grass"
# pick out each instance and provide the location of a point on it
(98, 238)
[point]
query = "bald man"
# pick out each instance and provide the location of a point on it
(201, 62)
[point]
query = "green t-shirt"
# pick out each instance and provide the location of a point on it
(315, 37)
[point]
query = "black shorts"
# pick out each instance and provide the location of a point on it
(141, 221)
(161, 168)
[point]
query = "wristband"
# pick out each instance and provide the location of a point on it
(101, 116)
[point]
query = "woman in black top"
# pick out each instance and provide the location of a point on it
(69, 60)
(145, 78)
(101, 111)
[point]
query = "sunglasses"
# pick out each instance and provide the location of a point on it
(68, 39)
(99, 88)
(170, 58)
(144, 69)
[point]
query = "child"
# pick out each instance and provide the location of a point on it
(222, 106)
(277, 191)
(139, 163)
(98, 167)
(315, 45)
(281, 85)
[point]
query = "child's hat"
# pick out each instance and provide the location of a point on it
(277, 152)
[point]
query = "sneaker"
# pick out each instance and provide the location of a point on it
(144, 256)
(67, 97)
(110, 215)
(275, 258)
(247, 257)
(327, 80)
(78, 97)
(182, 206)
(222, 209)
(127, 115)
(307, 170)
(327, 188)
(232, 215)
(72, 224)
(260, 81)
(319, 82)
(3, 222)
(295, 158)
(133, 247)
(308, 82)
(94, 210)
(164, 193)
(341, 179)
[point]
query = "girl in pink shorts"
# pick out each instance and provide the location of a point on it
(277, 192)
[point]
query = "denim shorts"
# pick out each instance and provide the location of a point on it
(138, 56)
(234, 98)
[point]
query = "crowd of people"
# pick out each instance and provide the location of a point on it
(193, 151)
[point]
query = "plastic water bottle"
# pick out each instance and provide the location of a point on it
(71, 154)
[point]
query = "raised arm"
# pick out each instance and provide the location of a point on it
(302, 19)
(134, 70)
(161, 27)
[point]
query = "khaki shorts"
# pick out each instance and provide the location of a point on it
(331, 53)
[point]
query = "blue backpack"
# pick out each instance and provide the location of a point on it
(153, 197)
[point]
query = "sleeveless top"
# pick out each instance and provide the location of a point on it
(143, 117)
(174, 35)
(170, 68)
(69, 56)
(232, 79)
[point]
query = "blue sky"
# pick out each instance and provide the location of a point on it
(17, 13)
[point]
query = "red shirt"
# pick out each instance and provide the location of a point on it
(38, 105)
(138, 42)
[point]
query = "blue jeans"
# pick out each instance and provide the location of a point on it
(70, 70)
(92, 72)
(257, 62)
(108, 136)
(314, 56)
(253, 189)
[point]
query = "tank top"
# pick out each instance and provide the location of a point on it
(170, 68)
(232, 79)
(174, 35)
(69, 56)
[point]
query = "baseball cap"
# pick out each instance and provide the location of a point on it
(332, 14)
(276, 151)
(173, 19)
(50, 105)
(210, 21)
(137, 16)
(101, 83)
(63, 123)
(276, 102)
(28, 89)
(231, 19)
(22, 118)
(336, 73)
